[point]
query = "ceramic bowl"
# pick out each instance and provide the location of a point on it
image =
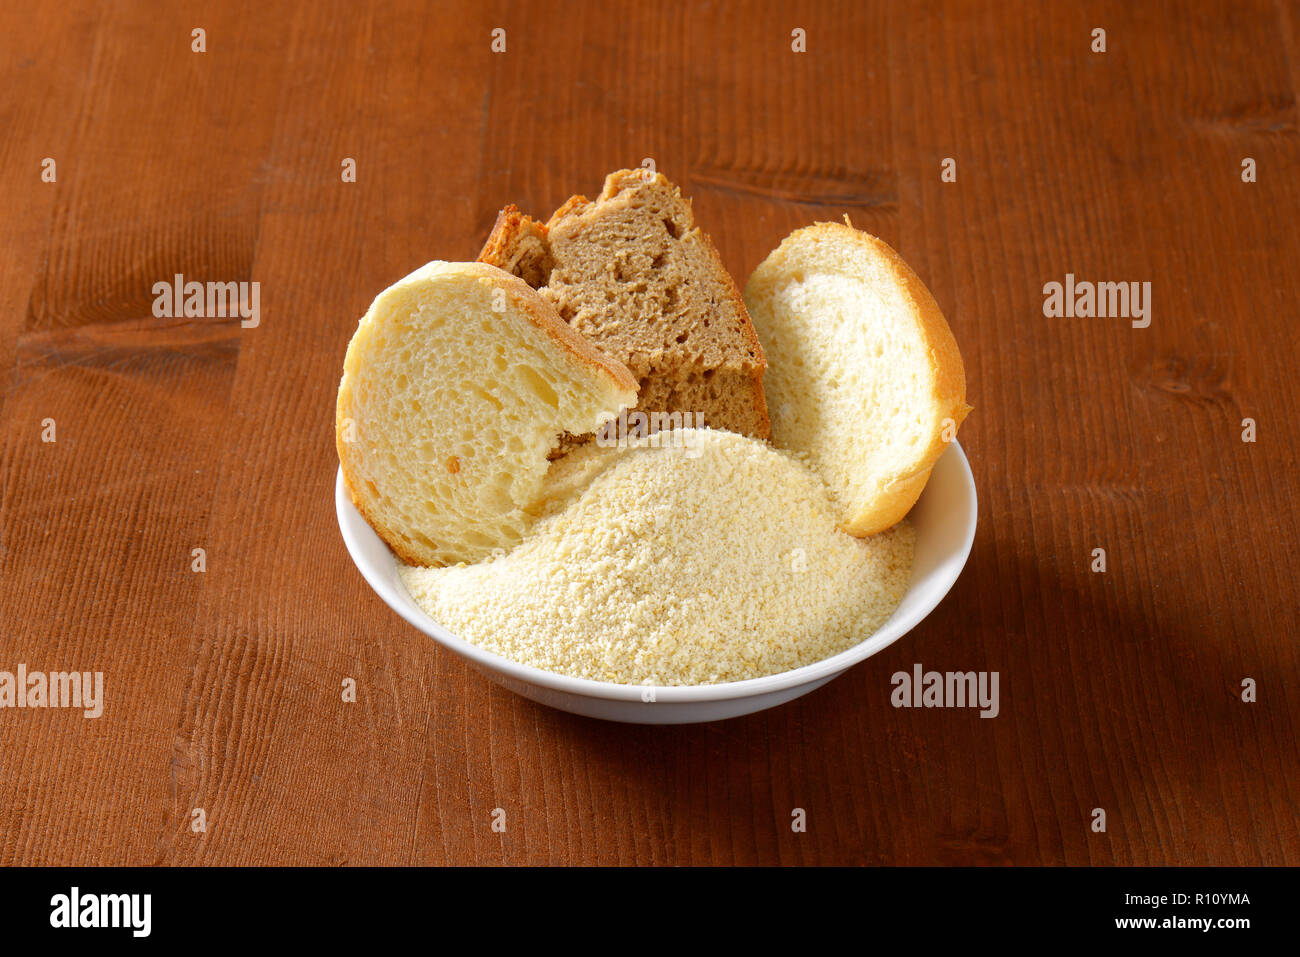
(944, 519)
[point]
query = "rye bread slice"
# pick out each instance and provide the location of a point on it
(635, 275)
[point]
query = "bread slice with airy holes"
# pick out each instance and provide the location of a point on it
(864, 378)
(456, 386)
(634, 274)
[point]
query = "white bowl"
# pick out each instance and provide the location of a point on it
(944, 519)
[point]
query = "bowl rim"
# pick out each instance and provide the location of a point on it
(400, 601)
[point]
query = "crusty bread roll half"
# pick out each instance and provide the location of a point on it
(864, 378)
(457, 384)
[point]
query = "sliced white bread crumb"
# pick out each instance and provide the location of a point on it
(457, 384)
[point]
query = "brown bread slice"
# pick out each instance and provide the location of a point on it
(635, 275)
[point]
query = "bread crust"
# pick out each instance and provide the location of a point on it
(508, 247)
(568, 208)
(510, 223)
(395, 544)
(901, 494)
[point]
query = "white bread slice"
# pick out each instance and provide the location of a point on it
(448, 408)
(863, 373)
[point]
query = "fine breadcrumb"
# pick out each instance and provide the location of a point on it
(711, 558)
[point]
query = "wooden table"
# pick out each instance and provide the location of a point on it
(1120, 690)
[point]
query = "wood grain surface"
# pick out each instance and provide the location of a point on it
(1120, 690)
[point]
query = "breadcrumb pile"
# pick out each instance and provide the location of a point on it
(711, 558)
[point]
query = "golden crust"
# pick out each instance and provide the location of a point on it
(622, 179)
(394, 543)
(901, 494)
(569, 208)
(509, 226)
